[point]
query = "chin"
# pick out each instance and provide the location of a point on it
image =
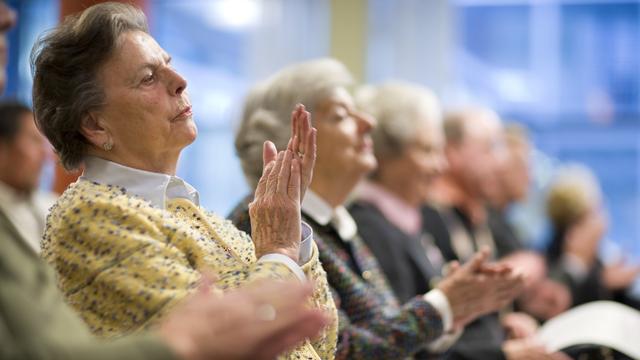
(368, 163)
(189, 131)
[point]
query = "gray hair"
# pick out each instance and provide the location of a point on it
(268, 106)
(65, 63)
(400, 110)
(459, 123)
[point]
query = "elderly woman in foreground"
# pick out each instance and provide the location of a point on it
(129, 240)
(372, 323)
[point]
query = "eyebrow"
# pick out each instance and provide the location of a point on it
(153, 66)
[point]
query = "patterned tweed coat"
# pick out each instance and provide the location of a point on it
(122, 263)
(372, 325)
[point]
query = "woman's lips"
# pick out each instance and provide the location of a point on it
(186, 113)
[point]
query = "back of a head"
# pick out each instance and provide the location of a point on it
(65, 63)
(401, 110)
(267, 110)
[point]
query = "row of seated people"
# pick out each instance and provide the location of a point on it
(129, 241)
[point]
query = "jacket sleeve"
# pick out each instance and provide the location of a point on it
(393, 336)
(122, 271)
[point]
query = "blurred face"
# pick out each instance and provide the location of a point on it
(420, 162)
(21, 160)
(147, 111)
(475, 160)
(515, 172)
(7, 20)
(344, 144)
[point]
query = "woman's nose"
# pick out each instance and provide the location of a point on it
(177, 84)
(366, 122)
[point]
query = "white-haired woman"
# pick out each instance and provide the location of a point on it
(408, 144)
(372, 323)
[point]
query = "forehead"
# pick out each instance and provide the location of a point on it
(483, 126)
(429, 132)
(134, 49)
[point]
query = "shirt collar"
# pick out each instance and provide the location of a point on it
(404, 216)
(321, 212)
(8, 195)
(156, 188)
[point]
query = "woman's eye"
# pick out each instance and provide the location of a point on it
(148, 79)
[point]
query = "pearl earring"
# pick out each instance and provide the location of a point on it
(107, 146)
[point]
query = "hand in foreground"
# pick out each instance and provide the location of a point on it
(519, 325)
(619, 275)
(478, 288)
(302, 144)
(529, 350)
(275, 209)
(259, 321)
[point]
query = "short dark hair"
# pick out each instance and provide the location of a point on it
(65, 63)
(11, 113)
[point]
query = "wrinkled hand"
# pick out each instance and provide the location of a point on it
(302, 144)
(478, 288)
(583, 237)
(529, 350)
(546, 299)
(275, 209)
(619, 275)
(205, 326)
(519, 325)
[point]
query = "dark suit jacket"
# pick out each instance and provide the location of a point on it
(401, 256)
(504, 235)
(591, 287)
(372, 325)
(482, 339)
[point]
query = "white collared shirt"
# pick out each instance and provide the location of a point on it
(27, 213)
(321, 212)
(158, 188)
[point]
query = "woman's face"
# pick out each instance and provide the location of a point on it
(147, 111)
(344, 140)
(420, 162)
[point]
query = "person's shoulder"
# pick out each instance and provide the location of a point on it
(88, 199)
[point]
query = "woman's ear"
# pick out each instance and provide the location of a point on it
(94, 130)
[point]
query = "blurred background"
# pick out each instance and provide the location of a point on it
(567, 69)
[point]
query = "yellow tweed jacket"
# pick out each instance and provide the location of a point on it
(122, 264)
